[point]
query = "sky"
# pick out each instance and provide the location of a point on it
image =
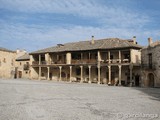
(38, 24)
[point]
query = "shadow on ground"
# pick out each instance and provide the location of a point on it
(154, 93)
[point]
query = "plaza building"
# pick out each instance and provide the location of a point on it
(150, 73)
(22, 66)
(111, 61)
(7, 63)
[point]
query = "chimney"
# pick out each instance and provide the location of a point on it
(92, 42)
(134, 39)
(17, 51)
(150, 41)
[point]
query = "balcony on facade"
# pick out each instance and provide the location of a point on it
(89, 57)
(84, 58)
(148, 66)
(115, 57)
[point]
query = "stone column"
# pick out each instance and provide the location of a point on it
(99, 56)
(109, 61)
(131, 56)
(89, 67)
(68, 58)
(99, 74)
(39, 59)
(119, 56)
(47, 58)
(31, 59)
(70, 68)
(120, 72)
(60, 71)
(109, 75)
(39, 76)
(48, 73)
(131, 70)
(81, 74)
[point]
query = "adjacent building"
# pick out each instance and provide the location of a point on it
(150, 73)
(111, 61)
(7, 63)
(23, 66)
(14, 64)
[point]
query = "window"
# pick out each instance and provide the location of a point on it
(20, 63)
(76, 56)
(126, 56)
(27, 63)
(150, 60)
(93, 56)
(111, 56)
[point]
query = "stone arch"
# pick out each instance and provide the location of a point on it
(151, 79)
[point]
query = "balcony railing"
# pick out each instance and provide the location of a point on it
(35, 63)
(148, 67)
(57, 62)
(116, 61)
(43, 62)
(84, 61)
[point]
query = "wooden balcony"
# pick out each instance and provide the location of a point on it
(115, 61)
(84, 61)
(148, 67)
(35, 63)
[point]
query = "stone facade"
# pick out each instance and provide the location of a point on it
(13, 67)
(22, 65)
(113, 66)
(7, 63)
(151, 64)
(127, 65)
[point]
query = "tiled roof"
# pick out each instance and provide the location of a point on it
(23, 57)
(6, 50)
(109, 43)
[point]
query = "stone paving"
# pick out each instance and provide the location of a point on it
(48, 100)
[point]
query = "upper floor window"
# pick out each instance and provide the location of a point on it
(150, 60)
(76, 56)
(42, 57)
(126, 56)
(111, 56)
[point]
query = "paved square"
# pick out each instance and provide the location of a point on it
(48, 100)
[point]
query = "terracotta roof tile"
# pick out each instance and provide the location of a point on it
(4, 49)
(109, 43)
(23, 57)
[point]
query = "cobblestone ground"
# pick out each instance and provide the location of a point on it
(48, 100)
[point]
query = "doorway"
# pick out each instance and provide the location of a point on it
(137, 80)
(150, 80)
(20, 74)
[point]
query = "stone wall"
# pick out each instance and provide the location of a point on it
(155, 51)
(7, 64)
